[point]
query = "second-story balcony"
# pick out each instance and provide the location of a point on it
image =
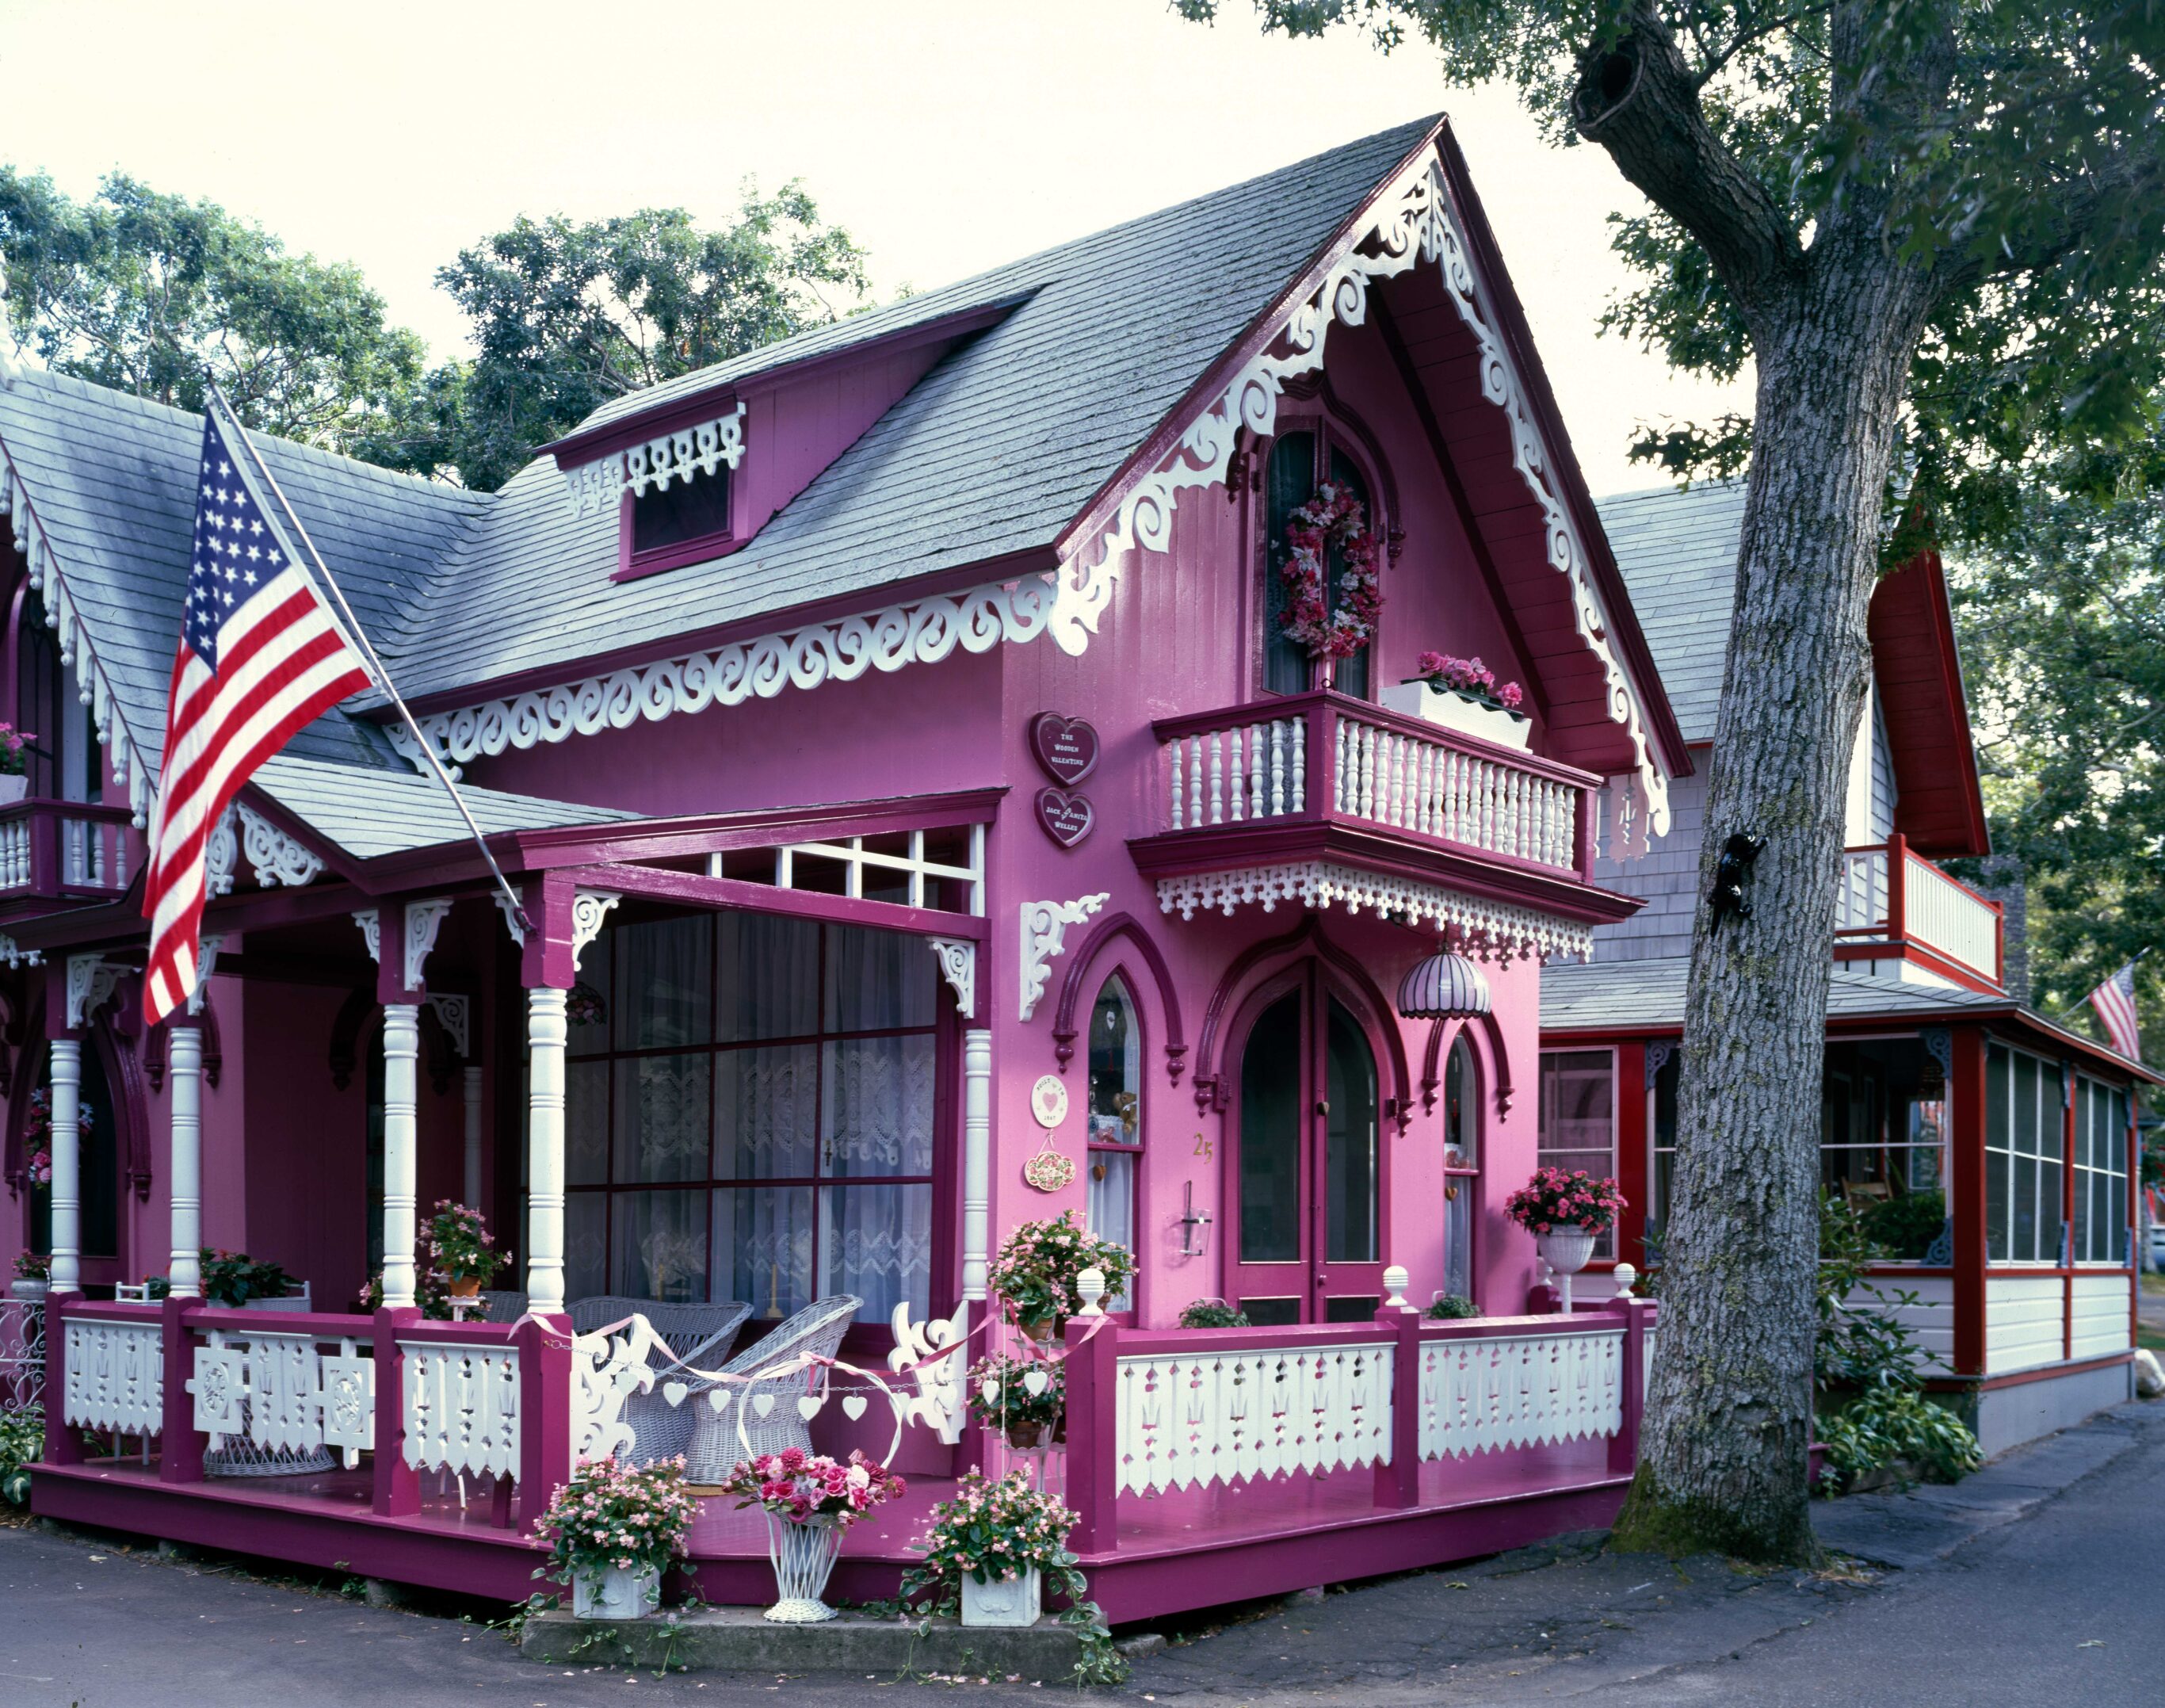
(1897, 911)
(1322, 797)
(63, 851)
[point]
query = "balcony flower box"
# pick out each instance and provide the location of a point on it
(1466, 713)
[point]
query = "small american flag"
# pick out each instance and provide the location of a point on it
(261, 656)
(2114, 1003)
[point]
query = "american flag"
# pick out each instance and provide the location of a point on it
(261, 656)
(2114, 1003)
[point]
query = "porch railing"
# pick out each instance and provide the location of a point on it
(22, 1353)
(1323, 755)
(1152, 1412)
(1886, 893)
(54, 848)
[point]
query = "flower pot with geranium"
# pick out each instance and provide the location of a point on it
(458, 1246)
(1036, 1271)
(612, 1530)
(810, 1500)
(233, 1278)
(34, 1275)
(1019, 1398)
(14, 763)
(990, 1551)
(1565, 1209)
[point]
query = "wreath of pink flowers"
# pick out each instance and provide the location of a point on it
(1333, 517)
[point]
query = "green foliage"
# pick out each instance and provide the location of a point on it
(1039, 1262)
(233, 1277)
(569, 315)
(1451, 1307)
(143, 291)
(1906, 1225)
(1860, 1343)
(1213, 1313)
(1884, 1425)
(1012, 1401)
(22, 1444)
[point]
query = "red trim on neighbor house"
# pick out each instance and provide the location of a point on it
(1918, 954)
(1635, 1144)
(1939, 805)
(1966, 1091)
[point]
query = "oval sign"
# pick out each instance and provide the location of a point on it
(1067, 747)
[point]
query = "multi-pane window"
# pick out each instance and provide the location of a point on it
(1578, 1121)
(2100, 1173)
(750, 1111)
(1462, 1167)
(2025, 1126)
(1300, 462)
(1115, 1114)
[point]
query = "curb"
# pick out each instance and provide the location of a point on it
(742, 1639)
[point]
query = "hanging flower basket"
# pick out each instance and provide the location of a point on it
(1333, 518)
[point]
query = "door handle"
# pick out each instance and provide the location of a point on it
(1322, 1105)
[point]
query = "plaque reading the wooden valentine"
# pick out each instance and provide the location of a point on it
(1066, 747)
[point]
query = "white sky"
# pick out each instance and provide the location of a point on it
(947, 136)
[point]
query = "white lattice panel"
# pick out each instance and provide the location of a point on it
(1514, 1391)
(461, 1407)
(1194, 1419)
(116, 1376)
(220, 1387)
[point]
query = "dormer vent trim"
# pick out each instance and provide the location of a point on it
(681, 455)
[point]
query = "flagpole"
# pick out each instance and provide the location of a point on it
(376, 664)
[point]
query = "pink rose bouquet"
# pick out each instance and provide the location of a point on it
(811, 1488)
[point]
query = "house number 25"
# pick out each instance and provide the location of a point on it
(1202, 1146)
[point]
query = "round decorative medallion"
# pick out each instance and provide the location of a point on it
(1048, 1100)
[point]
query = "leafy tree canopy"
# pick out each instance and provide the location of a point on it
(567, 316)
(143, 291)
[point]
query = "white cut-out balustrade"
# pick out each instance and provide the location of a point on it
(461, 1407)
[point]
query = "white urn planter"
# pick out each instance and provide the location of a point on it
(614, 1592)
(13, 788)
(1463, 712)
(28, 1288)
(1566, 1251)
(1003, 1603)
(803, 1557)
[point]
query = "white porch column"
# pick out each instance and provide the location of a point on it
(402, 1046)
(184, 1072)
(977, 1158)
(546, 1034)
(473, 1137)
(64, 1082)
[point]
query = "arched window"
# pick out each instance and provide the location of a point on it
(1462, 1164)
(1116, 1129)
(1300, 461)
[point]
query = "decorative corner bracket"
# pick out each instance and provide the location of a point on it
(424, 920)
(89, 985)
(455, 1013)
(958, 966)
(206, 965)
(1044, 933)
(372, 930)
(590, 910)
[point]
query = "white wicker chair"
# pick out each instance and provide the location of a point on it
(502, 1304)
(716, 1445)
(698, 1335)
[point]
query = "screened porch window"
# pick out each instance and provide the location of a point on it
(1578, 1119)
(2100, 1173)
(2025, 1114)
(751, 1106)
(1300, 462)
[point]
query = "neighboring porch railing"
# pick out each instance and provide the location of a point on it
(1322, 755)
(1152, 1412)
(1886, 894)
(54, 848)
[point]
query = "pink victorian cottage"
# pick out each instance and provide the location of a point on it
(936, 807)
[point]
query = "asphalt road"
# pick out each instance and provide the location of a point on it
(2063, 1604)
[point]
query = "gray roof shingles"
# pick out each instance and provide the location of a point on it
(370, 814)
(1678, 551)
(1607, 995)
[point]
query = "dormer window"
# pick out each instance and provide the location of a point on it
(684, 511)
(670, 490)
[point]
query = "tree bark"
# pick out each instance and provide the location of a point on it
(1729, 1418)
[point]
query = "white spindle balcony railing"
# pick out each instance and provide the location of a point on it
(1321, 755)
(52, 847)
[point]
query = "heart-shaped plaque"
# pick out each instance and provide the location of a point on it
(674, 1392)
(1035, 1381)
(1066, 816)
(1067, 747)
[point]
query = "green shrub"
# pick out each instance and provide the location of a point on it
(1887, 1424)
(1907, 1227)
(22, 1441)
(1451, 1306)
(1213, 1313)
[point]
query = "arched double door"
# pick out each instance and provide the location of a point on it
(1307, 1180)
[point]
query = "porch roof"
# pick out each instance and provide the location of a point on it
(370, 813)
(1648, 996)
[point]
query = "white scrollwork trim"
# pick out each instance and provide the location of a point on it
(503, 906)
(206, 964)
(276, 857)
(424, 920)
(589, 911)
(1043, 934)
(939, 1405)
(372, 930)
(15, 954)
(221, 855)
(89, 985)
(958, 966)
(1493, 929)
(680, 455)
(606, 1371)
(455, 1013)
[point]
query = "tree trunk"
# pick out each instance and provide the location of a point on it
(1729, 1418)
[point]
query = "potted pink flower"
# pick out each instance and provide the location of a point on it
(34, 1275)
(810, 1500)
(14, 763)
(1566, 1211)
(992, 1546)
(1463, 694)
(612, 1530)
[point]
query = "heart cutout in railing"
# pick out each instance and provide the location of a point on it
(853, 1406)
(808, 1408)
(761, 1403)
(1035, 1381)
(674, 1392)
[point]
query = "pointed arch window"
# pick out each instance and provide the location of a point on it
(1301, 460)
(1116, 1129)
(1461, 1165)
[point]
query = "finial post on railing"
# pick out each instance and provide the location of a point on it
(1090, 1288)
(1396, 1280)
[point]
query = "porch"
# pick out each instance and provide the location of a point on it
(1282, 1457)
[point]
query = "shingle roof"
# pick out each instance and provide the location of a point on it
(372, 814)
(1677, 553)
(110, 478)
(1001, 445)
(1611, 995)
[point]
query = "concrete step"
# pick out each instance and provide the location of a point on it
(742, 1639)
